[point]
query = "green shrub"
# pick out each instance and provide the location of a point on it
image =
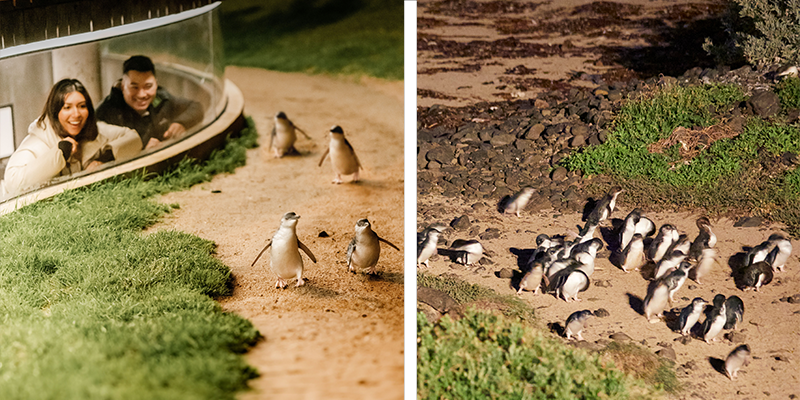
(788, 90)
(488, 356)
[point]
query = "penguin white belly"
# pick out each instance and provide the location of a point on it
(716, 327)
(426, 253)
(366, 255)
(342, 158)
(285, 258)
(690, 321)
(284, 139)
(654, 305)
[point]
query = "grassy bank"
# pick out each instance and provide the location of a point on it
(92, 308)
(339, 37)
(726, 171)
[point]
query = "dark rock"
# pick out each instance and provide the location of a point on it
(601, 313)
(577, 141)
(736, 337)
(559, 174)
(461, 223)
(602, 136)
(620, 337)
(441, 154)
(764, 104)
(749, 222)
(794, 299)
(594, 140)
(684, 339)
(505, 273)
(490, 233)
(668, 353)
(439, 301)
(502, 139)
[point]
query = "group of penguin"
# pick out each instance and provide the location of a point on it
(364, 249)
(564, 267)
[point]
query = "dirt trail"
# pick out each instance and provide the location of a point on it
(341, 335)
(771, 326)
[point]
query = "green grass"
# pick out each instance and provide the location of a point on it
(351, 37)
(643, 364)
(465, 293)
(488, 356)
(788, 90)
(90, 307)
(742, 174)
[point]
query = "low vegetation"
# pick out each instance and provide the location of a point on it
(90, 307)
(729, 172)
(467, 293)
(337, 37)
(488, 356)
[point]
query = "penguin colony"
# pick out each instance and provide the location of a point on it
(563, 266)
(286, 261)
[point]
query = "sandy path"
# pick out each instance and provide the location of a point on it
(771, 327)
(341, 335)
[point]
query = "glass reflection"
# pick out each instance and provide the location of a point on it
(180, 95)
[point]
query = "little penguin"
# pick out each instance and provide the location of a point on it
(281, 141)
(682, 244)
(667, 234)
(708, 257)
(740, 356)
(519, 200)
(365, 249)
(759, 252)
(343, 157)
(468, 251)
(676, 279)
(635, 223)
(603, 209)
(756, 275)
(715, 322)
(704, 240)
(571, 282)
(532, 279)
(576, 323)
(779, 254)
(633, 255)
(734, 312)
(690, 315)
(427, 241)
(655, 301)
(284, 253)
(669, 263)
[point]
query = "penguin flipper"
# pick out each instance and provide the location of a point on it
(350, 249)
(307, 250)
(324, 155)
(302, 131)
(262, 252)
(353, 151)
(271, 138)
(388, 242)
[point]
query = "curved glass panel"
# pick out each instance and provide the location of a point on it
(186, 50)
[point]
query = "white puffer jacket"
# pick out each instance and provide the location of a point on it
(38, 158)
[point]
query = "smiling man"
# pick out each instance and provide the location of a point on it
(137, 102)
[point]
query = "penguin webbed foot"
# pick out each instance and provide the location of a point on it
(300, 282)
(281, 283)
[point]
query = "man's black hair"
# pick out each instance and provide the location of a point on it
(138, 63)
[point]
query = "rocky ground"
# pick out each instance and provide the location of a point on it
(505, 90)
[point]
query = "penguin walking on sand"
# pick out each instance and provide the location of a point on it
(570, 282)
(656, 300)
(343, 158)
(708, 257)
(690, 315)
(285, 259)
(759, 252)
(532, 280)
(734, 312)
(635, 223)
(683, 244)
(668, 264)
(603, 209)
(468, 252)
(705, 239)
(282, 138)
(779, 254)
(716, 319)
(576, 323)
(667, 235)
(519, 200)
(756, 275)
(633, 255)
(676, 279)
(427, 240)
(365, 249)
(740, 356)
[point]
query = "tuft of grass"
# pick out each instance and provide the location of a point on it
(92, 308)
(484, 355)
(642, 364)
(788, 90)
(466, 293)
(350, 37)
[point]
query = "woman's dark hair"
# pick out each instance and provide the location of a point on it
(55, 101)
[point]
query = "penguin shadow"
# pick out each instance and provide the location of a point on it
(636, 303)
(449, 253)
(385, 276)
(588, 208)
(611, 235)
(736, 263)
(648, 271)
(617, 259)
(523, 255)
(556, 328)
(309, 289)
(673, 320)
(501, 206)
(718, 364)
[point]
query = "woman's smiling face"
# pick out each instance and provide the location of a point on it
(73, 113)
